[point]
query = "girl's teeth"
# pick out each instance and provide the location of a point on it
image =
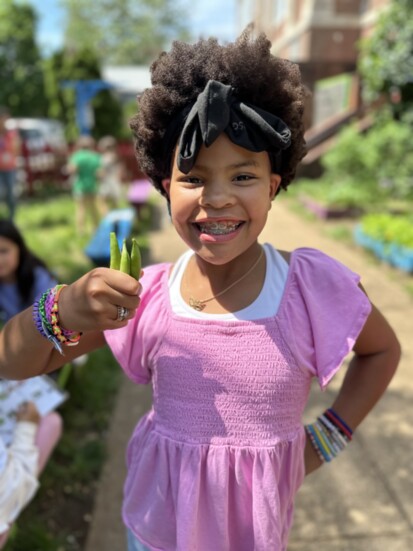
(218, 227)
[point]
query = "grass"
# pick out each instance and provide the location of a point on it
(58, 518)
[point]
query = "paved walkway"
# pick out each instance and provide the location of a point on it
(361, 502)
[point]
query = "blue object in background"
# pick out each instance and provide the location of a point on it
(85, 90)
(396, 255)
(120, 221)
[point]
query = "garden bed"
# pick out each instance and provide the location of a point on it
(387, 249)
(325, 212)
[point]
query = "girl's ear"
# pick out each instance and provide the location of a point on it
(166, 184)
(275, 181)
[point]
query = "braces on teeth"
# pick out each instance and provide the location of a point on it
(219, 228)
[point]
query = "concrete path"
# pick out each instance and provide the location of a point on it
(363, 501)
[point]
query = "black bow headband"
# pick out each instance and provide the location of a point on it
(217, 110)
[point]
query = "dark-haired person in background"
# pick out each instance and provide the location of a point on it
(23, 276)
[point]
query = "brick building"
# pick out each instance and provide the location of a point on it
(320, 35)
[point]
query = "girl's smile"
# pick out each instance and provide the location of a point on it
(218, 230)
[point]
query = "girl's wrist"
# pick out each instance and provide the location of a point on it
(64, 309)
(48, 321)
(312, 461)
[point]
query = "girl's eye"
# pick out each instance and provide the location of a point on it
(244, 177)
(192, 180)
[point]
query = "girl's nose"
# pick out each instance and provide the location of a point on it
(216, 195)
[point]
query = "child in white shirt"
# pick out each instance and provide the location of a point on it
(22, 462)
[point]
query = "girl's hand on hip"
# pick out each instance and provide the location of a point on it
(91, 303)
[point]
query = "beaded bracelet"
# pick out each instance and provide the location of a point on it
(43, 329)
(69, 338)
(329, 435)
(339, 423)
(46, 320)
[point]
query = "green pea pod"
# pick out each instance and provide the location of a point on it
(114, 252)
(125, 260)
(135, 260)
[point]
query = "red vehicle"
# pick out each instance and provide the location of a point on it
(44, 152)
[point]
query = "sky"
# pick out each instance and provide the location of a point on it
(207, 18)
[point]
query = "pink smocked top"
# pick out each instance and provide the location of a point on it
(216, 463)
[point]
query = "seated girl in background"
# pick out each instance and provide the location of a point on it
(23, 276)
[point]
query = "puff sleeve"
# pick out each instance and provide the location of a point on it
(134, 345)
(324, 312)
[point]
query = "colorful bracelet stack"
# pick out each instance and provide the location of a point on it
(46, 320)
(329, 435)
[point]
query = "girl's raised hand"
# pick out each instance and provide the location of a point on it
(91, 303)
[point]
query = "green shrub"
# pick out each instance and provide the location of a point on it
(367, 169)
(389, 229)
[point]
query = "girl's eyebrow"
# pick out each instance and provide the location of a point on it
(242, 164)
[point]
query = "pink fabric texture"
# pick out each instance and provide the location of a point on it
(218, 460)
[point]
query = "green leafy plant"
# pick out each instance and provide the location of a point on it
(389, 229)
(366, 170)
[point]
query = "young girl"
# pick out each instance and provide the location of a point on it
(84, 165)
(110, 173)
(233, 333)
(23, 276)
(22, 462)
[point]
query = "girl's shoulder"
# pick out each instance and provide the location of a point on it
(155, 272)
(153, 279)
(313, 259)
(322, 312)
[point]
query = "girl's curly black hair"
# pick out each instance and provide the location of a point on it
(258, 77)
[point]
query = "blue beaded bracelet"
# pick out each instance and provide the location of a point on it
(42, 328)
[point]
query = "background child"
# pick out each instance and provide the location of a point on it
(84, 165)
(9, 151)
(23, 276)
(110, 173)
(234, 332)
(22, 462)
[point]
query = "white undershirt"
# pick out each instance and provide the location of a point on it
(265, 305)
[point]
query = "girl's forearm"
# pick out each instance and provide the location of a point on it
(24, 353)
(365, 382)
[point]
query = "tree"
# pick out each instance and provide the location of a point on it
(81, 64)
(123, 32)
(386, 57)
(21, 74)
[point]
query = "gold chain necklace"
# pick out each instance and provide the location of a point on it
(199, 305)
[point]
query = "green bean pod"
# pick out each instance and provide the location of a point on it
(125, 259)
(135, 260)
(114, 252)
